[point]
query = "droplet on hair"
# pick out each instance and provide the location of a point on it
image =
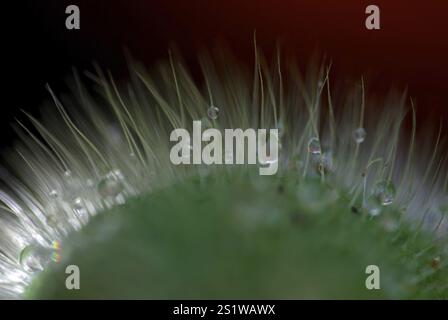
(384, 192)
(435, 262)
(213, 112)
(111, 185)
(79, 208)
(53, 194)
(314, 146)
(90, 183)
(33, 258)
(359, 135)
(324, 163)
(372, 207)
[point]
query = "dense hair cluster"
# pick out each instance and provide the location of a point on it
(97, 149)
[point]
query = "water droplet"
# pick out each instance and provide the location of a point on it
(372, 206)
(90, 183)
(314, 146)
(111, 185)
(384, 192)
(33, 258)
(213, 112)
(323, 163)
(53, 194)
(118, 174)
(359, 135)
(67, 173)
(79, 207)
(435, 262)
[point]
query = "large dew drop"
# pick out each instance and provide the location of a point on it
(213, 112)
(384, 192)
(111, 185)
(34, 258)
(314, 146)
(78, 206)
(359, 135)
(323, 163)
(372, 207)
(53, 194)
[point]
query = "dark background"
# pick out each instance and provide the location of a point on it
(410, 51)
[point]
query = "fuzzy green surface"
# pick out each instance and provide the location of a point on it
(250, 237)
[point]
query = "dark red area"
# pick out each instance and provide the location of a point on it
(410, 50)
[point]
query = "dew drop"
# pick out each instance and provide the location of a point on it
(213, 112)
(90, 183)
(324, 162)
(359, 135)
(435, 262)
(314, 146)
(372, 206)
(111, 185)
(53, 194)
(33, 258)
(384, 192)
(79, 208)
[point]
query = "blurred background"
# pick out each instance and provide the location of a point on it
(410, 51)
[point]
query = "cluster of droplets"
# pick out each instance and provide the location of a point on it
(33, 258)
(69, 209)
(382, 195)
(322, 160)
